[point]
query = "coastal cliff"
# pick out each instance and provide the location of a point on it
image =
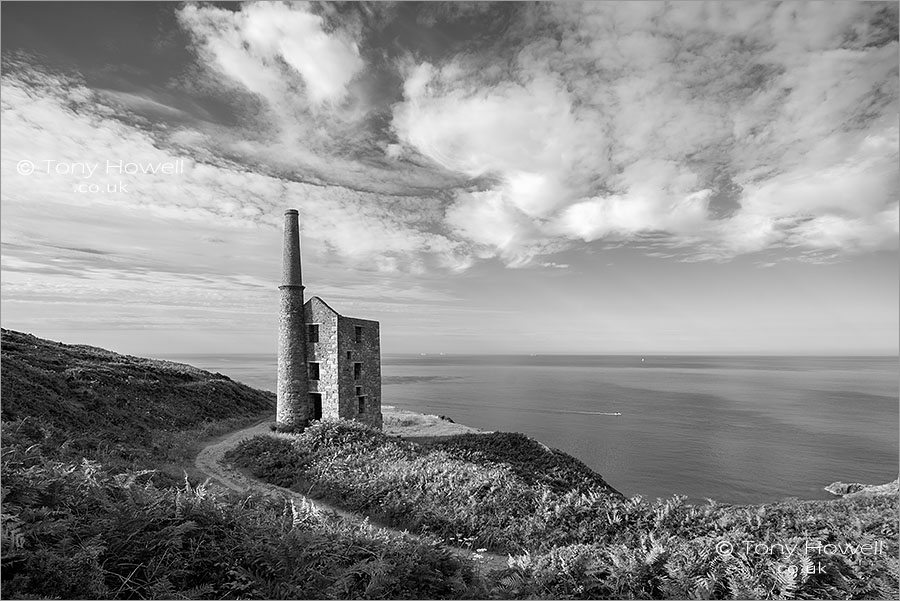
(89, 510)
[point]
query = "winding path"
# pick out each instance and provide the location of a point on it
(210, 462)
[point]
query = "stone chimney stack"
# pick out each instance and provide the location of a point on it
(292, 408)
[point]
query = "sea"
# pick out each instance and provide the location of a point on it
(735, 429)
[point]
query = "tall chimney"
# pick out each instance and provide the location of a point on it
(292, 384)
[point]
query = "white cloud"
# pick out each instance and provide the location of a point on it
(484, 218)
(46, 118)
(518, 133)
(306, 100)
(836, 232)
(710, 130)
(251, 44)
(730, 128)
(479, 131)
(658, 195)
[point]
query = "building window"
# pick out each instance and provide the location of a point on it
(357, 333)
(315, 403)
(349, 355)
(362, 404)
(313, 370)
(357, 371)
(359, 391)
(312, 332)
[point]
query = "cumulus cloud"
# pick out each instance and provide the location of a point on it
(304, 96)
(692, 130)
(721, 128)
(267, 46)
(64, 131)
(660, 195)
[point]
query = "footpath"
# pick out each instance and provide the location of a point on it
(210, 461)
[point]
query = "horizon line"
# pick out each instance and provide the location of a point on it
(587, 354)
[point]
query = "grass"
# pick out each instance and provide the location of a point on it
(80, 401)
(87, 514)
(80, 531)
(528, 459)
(421, 488)
(574, 537)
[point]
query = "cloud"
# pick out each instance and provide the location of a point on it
(693, 130)
(660, 195)
(270, 46)
(70, 137)
(478, 131)
(308, 103)
(832, 232)
(719, 128)
(520, 133)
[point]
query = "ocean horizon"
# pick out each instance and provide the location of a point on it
(734, 428)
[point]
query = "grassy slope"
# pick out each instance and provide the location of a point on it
(79, 522)
(584, 540)
(469, 487)
(82, 401)
(530, 460)
(80, 529)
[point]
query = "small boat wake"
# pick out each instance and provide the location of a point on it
(591, 412)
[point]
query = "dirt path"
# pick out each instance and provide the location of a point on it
(210, 461)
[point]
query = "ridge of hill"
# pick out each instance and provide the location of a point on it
(81, 401)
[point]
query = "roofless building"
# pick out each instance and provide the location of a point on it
(329, 365)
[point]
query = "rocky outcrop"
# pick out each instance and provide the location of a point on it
(840, 488)
(856, 489)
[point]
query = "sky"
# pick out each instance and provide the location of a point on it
(640, 177)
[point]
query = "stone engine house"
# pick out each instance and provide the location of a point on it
(329, 365)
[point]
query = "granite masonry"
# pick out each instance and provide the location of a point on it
(329, 365)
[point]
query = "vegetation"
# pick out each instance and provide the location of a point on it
(79, 531)
(84, 517)
(479, 490)
(527, 458)
(87, 512)
(80, 401)
(587, 541)
(777, 551)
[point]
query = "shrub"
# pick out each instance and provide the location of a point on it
(81, 401)
(583, 542)
(395, 482)
(677, 558)
(79, 531)
(530, 460)
(487, 497)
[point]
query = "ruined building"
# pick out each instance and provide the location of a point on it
(328, 365)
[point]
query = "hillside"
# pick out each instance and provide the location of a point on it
(570, 535)
(81, 401)
(87, 513)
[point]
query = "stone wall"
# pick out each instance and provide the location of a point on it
(325, 353)
(366, 352)
(337, 382)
